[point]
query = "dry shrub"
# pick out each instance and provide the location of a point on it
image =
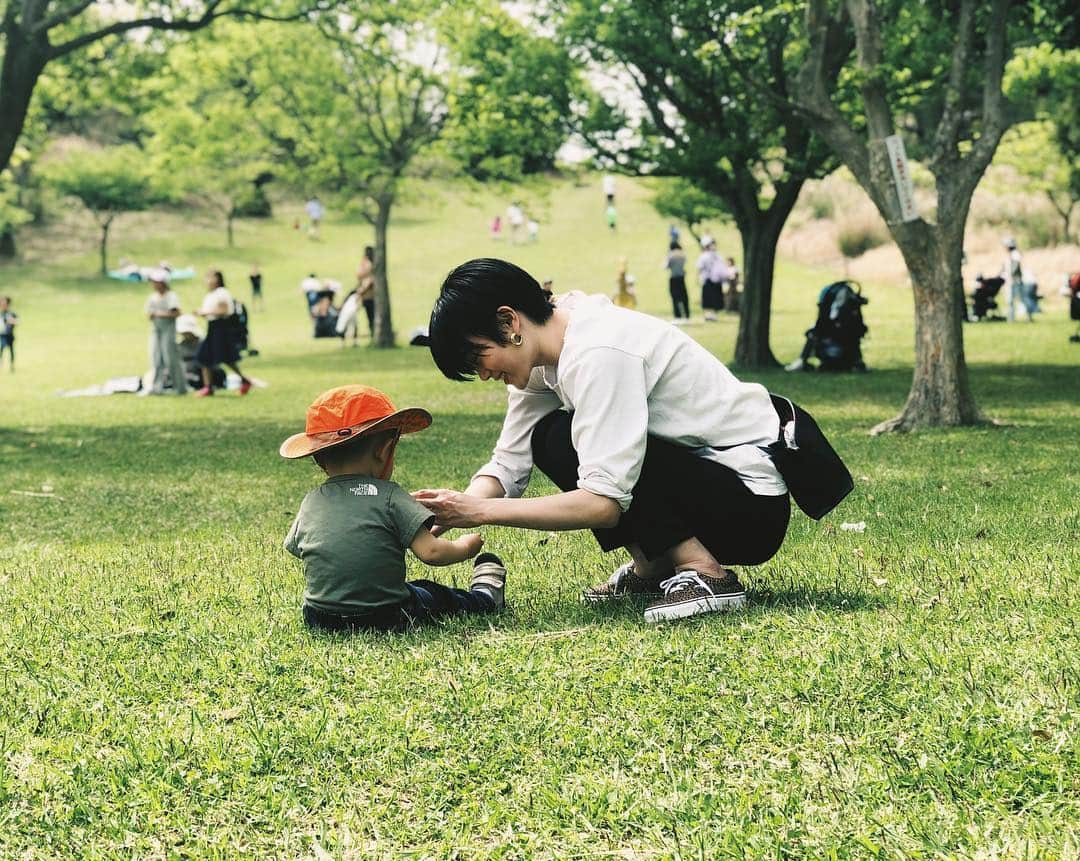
(859, 234)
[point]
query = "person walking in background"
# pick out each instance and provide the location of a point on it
(496, 228)
(219, 347)
(611, 216)
(315, 212)
(515, 216)
(365, 285)
(1013, 273)
(533, 229)
(625, 296)
(8, 320)
(731, 295)
(609, 189)
(255, 276)
(711, 274)
(676, 268)
(162, 308)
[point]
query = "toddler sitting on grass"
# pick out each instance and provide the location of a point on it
(351, 532)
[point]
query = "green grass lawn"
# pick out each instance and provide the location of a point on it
(908, 691)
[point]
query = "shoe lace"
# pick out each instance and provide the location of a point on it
(683, 580)
(619, 575)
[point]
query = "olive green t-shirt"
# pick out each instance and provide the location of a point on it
(351, 533)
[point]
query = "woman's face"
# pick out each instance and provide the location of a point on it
(503, 362)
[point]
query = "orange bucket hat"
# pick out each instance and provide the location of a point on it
(342, 414)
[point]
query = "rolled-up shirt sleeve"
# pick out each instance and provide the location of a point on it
(610, 422)
(511, 462)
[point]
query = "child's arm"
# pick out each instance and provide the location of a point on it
(439, 551)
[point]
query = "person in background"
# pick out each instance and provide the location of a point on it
(219, 347)
(625, 296)
(162, 308)
(533, 229)
(609, 189)
(365, 285)
(611, 216)
(255, 276)
(315, 212)
(8, 320)
(496, 228)
(731, 295)
(515, 215)
(676, 268)
(1013, 273)
(711, 274)
(311, 287)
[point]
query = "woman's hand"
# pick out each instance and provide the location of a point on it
(451, 508)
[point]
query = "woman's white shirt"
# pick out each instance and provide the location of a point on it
(213, 299)
(161, 302)
(624, 375)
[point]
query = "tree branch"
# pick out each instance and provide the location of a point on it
(157, 22)
(947, 136)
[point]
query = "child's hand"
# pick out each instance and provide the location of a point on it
(472, 543)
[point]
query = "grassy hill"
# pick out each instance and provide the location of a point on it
(906, 691)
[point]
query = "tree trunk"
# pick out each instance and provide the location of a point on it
(103, 247)
(752, 350)
(25, 56)
(760, 232)
(229, 227)
(384, 330)
(940, 393)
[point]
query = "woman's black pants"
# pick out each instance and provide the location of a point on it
(678, 496)
(680, 302)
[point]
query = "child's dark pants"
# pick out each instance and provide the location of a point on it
(428, 601)
(678, 496)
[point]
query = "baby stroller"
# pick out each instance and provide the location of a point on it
(983, 298)
(241, 333)
(835, 339)
(324, 315)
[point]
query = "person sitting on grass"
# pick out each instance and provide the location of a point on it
(352, 531)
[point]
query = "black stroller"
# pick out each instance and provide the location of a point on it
(241, 332)
(324, 315)
(983, 298)
(836, 337)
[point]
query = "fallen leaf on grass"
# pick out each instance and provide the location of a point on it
(1041, 734)
(232, 714)
(880, 581)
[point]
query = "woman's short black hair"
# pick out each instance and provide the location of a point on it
(468, 305)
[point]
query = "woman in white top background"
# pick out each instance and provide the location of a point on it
(654, 443)
(220, 346)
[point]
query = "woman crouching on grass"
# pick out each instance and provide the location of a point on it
(653, 442)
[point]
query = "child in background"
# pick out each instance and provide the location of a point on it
(352, 531)
(625, 295)
(8, 320)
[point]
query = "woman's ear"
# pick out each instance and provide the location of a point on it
(507, 317)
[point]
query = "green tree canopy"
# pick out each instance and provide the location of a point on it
(107, 182)
(510, 106)
(687, 60)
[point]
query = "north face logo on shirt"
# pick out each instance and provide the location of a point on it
(364, 490)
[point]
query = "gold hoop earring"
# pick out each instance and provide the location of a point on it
(516, 339)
